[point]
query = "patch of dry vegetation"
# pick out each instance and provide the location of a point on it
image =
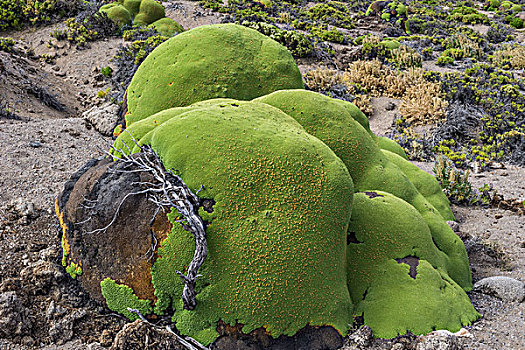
(423, 102)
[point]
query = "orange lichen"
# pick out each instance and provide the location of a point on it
(66, 249)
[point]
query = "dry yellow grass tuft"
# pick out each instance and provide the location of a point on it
(423, 102)
(515, 56)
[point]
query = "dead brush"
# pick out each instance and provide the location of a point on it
(422, 104)
(363, 102)
(321, 79)
(370, 75)
(468, 46)
(423, 101)
(515, 56)
(405, 57)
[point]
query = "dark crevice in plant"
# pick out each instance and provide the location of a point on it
(411, 261)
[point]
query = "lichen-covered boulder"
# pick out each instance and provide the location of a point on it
(117, 13)
(212, 61)
(396, 274)
(149, 12)
(167, 27)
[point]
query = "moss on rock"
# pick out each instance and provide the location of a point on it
(120, 297)
(207, 62)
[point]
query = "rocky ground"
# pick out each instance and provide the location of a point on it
(48, 140)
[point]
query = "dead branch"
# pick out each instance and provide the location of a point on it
(188, 342)
(167, 191)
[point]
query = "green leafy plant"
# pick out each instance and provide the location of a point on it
(106, 71)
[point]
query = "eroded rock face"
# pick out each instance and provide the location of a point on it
(93, 206)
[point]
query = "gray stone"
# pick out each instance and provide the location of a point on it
(62, 331)
(504, 288)
(439, 341)
(42, 276)
(359, 339)
(141, 335)
(104, 118)
(13, 316)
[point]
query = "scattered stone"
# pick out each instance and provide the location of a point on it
(103, 118)
(35, 144)
(502, 287)
(55, 311)
(308, 338)
(41, 277)
(390, 106)
(62, 331)
(48, 254)
(439, 340)
(359, 339)
(106, 338)
(13, 316)
(21, 211)
(454, 225)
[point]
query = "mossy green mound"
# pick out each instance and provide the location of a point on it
(117, 13)
(121, 297)
(133, 6)
(425, 183)
(333, 122)
(283, 180)
(150, 11)
(396, 275)
(277, 234)
(207, 62)
(167, 27)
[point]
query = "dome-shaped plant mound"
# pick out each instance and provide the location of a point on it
(117, 13)
(232, 146)
(212, 61)
(396, 275)
(334, 123)
(307, 217)
(282, 198)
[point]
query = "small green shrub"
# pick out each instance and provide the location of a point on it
(457, 187)
(106, 71)
(7, 44)
(295, 42)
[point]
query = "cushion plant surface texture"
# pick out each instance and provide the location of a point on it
(262, 197)
(315, 219)
(282, 198)
(207, 62)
